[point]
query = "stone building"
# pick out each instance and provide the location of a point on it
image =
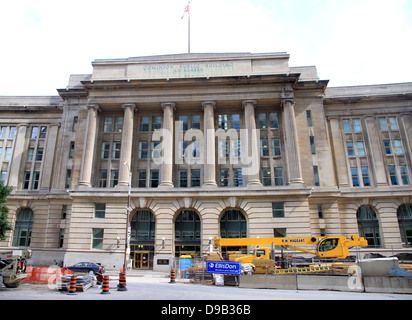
(225, 144)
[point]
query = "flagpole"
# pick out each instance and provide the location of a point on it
(188, 41)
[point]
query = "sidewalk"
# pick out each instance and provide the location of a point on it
(140, 273)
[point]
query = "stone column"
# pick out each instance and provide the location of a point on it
(253, 143)
(19, 148)
(209, 145)
(89, 146)
(339, 153)
(376, 151)
(166, 170)
(292, 145)
(127, 143)
(49, 155)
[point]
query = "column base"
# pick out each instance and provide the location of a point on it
(209, 184)
(83, 184)
(166, 185)
(254, 183)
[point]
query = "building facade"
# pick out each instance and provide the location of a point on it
(192, 146)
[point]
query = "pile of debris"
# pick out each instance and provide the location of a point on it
(82, 284)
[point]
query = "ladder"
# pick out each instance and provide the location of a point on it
(313, 269)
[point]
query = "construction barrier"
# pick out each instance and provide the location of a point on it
(105, 285)
(172, 276)
(73, 288)
(45, 275)
(122, 282)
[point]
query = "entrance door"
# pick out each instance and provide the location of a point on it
(141, 260)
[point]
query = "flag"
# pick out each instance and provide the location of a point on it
(186, 11)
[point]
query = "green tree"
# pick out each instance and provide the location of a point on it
(4, 224)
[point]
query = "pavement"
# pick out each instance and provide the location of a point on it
(148, 285)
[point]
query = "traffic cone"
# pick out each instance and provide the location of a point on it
(172, 276)
(105, 285)
(72, 289)
(122, 281)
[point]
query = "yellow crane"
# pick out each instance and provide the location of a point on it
(326, 247)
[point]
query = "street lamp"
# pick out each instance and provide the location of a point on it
(128, 231)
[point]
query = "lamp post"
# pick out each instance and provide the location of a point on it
(127, 239)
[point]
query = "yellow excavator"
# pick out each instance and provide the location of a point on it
(326, 247)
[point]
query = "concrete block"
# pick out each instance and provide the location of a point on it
(377, 267)
(261, 281)
(387, 285)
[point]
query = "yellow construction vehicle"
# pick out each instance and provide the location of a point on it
(326, 247)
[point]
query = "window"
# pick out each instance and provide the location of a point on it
(262, 122)
(103, 179)
(346, 125)
(233, 224)
(355, 176)
(3, 132)
(350, 148)
(361, 148)
(316, 175)
(235, 121)
(320, 211)
(352, 125)
(143, 227)
(71, 151)
(184, 123)
(398, 146)
(98, 235)
(43, 132)
(114, 178)
(392, 175)
(273, 119)
(34, 132)
(365, 177)
(30, 154)
(23, 228)
(404, 213)
(264, 148)
(64, 211)
(3, 176)
(118, 124)
(266, 177)
(154, 178)
(309, 118)
(276, 150)
(182, 179)
(356, 125)
(156, 123)
(143, 149)
(141, 178)
(404, 175)
(116, 150)
(105, 150)
(279, 232)
(187, 228)
(278, 210)
(368, 225)
(393, 124)
(61, 238)
(99, 210)
(224, 177)
(7, 156)
(382, 124)
(39, 154)
(195, 178)
(12, 132)
(387, 146)
(195, 122)
(144, 123)
(68, 178)
(35, 182)
(26, 182)
(312, 144)
(222, 121)
(237, 178)
(74, 126)
(108, 124)
(278, 176)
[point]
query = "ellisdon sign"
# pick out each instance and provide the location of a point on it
(223, 267)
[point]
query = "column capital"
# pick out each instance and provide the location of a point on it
(168, 104)
(129, 105)
(207, 103)
(287, 100)
(246, 102)
(93, 106)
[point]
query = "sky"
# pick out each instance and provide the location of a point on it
(351, 42)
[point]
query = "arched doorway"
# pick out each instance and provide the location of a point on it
(23, 228)
(405, 224)
(368, 225)
(233, 225)
(142, 239)
(187, 234)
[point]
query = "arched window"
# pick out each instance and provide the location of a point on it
(143, 227)
(22, 228)
(233, 224)
(405, 224)
(368, 225)
(187, 233)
